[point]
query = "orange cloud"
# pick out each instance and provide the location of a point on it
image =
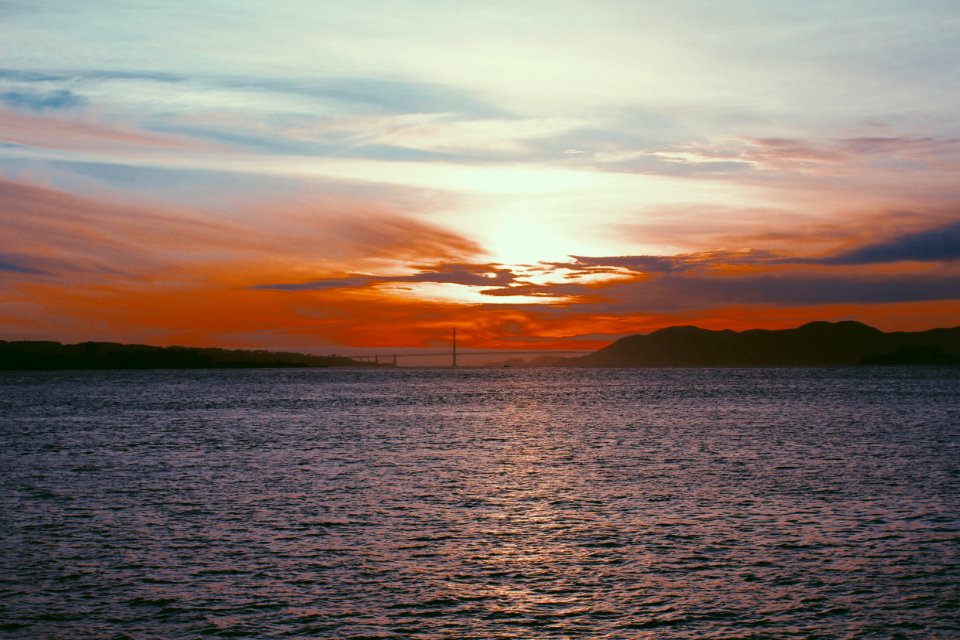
(364, 320)
(80, 268)
(60, 235)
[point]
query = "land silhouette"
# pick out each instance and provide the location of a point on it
(813, 344)
(43, 355)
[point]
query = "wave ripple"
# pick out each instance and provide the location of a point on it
(786, 503)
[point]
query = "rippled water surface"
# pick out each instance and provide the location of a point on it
(683, 503)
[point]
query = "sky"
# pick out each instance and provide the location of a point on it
(358, 176)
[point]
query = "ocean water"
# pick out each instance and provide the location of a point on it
(671, 503)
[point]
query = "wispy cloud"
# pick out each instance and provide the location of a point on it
(462, 274)
(16, 264)
(671, 264)
(42, 101)
(791, 154)
(87, 136)
(62, 236)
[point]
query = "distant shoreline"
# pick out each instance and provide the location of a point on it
(54, 356)
(813, 344)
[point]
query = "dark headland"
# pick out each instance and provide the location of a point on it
(813, 344)
(43, 355)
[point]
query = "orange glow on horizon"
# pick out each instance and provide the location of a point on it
(325, 321)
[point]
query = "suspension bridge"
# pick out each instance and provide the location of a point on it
(393, 359)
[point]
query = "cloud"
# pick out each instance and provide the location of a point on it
(670, 293)
(366, 95)
(566, 292)
(791, 153)
(462, 274)
(932, 245)
(161, 274)
(79, 135)
(304, 102)
(61, 236)
(482, 275)
(322, 116)
(726, 155)
(815, 289)
(389, 236)
(662, 284)
(939, 244)
(646, 264)
(659, 284)
(452, 132)
(57, 236)
(8, 263)
(74, 76)
(317, 285)
(42, 101)
(385, 95)
(920, 146)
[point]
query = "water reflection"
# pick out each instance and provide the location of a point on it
(531, 504)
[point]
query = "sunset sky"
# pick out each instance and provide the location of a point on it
(353, 176)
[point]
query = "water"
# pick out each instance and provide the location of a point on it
(684, 503)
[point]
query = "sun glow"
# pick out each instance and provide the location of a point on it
(461, 294)
(328, 167)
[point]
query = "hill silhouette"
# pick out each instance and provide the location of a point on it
(44, 355)
(815, 343)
